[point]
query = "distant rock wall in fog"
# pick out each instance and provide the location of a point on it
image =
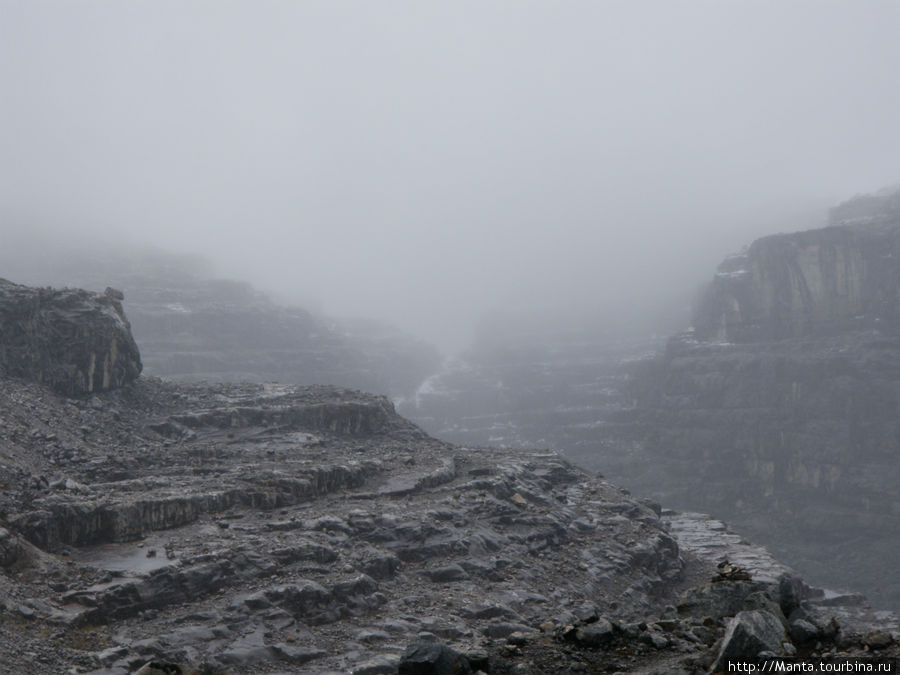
(820, 282)
(778, 412)
(191, 326)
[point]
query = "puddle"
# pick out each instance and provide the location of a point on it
(128, 557)
(132, 556)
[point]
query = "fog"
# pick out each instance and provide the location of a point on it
(427, 163)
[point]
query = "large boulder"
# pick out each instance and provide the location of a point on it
(749, 634)
(74, 341)
(432, 658)
(10, 548)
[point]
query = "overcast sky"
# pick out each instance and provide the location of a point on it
(428, 161)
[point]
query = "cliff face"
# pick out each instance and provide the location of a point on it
(74, 341)
(822, 282)
(779, 411)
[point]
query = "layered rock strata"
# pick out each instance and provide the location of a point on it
(832, 281)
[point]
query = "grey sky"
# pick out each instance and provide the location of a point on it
(427, 161)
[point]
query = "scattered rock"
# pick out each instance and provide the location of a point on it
(803, 632)
(728, 571)
(447, 574)
(717, 600)
(878, 639)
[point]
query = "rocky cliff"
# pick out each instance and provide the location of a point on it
(74, 341)
(842, 278)
(260, 528)
(779, 411)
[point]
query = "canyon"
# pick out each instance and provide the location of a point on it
(220, 521)
(152, 526)
(776, 411)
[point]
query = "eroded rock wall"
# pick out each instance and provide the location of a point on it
(73, 341)
(820, 282)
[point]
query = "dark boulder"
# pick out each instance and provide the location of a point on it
(749, 634)
(432, 658)
(596, 634)
(878, 639)
(10, 548)
(803, 632)
(791, 591)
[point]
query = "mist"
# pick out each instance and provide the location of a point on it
(429, 163)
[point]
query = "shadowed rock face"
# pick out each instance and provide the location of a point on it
(74, 341)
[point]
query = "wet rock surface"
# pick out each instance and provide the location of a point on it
(266, 528)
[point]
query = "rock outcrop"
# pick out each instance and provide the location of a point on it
(73, 341)
(842, 278)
